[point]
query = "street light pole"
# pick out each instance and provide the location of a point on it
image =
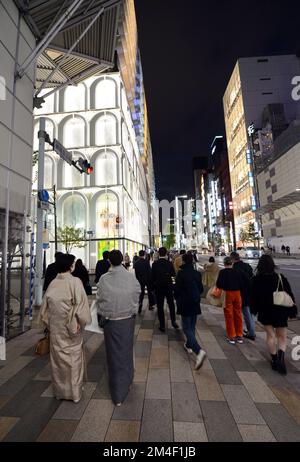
(40, 212)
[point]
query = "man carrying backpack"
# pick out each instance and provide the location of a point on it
(162, 273)
(188, 290)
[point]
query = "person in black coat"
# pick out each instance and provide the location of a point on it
(274, 318)
(162, 273)
(51, 271)
(82, 273)
(143, 274)
(102, 266)
(188, 290)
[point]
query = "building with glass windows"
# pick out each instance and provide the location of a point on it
(112, 205)
(255, 85)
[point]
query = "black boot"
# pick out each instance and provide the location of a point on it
(281, 364)
(274, 362)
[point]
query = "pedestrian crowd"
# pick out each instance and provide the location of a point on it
(175, 278)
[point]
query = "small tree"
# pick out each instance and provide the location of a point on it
(244, 236)
(252, 234)
(170, 238)
(71, 237)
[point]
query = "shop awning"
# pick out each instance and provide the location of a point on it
(75, 38)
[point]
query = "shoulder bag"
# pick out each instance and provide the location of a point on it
(43, 346)
(282, 298)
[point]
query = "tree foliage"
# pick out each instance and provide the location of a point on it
(71, 237)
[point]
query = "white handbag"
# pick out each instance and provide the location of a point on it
(282, 298)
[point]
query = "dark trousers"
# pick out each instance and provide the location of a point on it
(189, 329)
(150, 296)
(161, 294)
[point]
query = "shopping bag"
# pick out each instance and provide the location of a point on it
(94, 326)
(215, 301)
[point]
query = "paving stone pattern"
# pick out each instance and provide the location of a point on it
(235, 397)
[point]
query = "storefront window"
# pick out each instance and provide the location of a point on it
(107, 209)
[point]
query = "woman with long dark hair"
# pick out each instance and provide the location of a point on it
(273, 317)
(82, 273)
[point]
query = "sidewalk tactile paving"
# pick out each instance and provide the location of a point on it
(189, 432)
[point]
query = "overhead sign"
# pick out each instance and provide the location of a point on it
(62, 151)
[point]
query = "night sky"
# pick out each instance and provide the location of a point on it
(189, 49)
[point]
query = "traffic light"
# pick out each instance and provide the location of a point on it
(85, 166)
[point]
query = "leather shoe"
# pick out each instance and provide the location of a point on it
(162, 329)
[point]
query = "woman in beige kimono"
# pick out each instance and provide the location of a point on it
(65, 311)
(211, 273)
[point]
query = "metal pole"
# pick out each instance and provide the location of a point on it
(48, 37)
(40, 224)
(23, 277)
(55, 217)
(31, 288)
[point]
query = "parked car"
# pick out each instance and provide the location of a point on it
(249, 252)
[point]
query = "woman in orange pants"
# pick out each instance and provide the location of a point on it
(230, 281)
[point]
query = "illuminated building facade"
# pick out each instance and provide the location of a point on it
(111, 205)
(254, 84)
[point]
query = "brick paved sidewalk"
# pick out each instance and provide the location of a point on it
(234, 397)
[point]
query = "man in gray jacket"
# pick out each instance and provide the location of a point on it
(117, 301)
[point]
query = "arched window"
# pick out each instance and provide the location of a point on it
(74, 211)
(74, 133)
(49, 129)
(106, 130)
(106, 169)
(74, 98)
(72, 178)
(105, 94)
(48, 173)
(107, 209)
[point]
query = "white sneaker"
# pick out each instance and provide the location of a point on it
(189, 350)
(76, 401)
(200, 359)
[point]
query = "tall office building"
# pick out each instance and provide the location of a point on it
(255, 86)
